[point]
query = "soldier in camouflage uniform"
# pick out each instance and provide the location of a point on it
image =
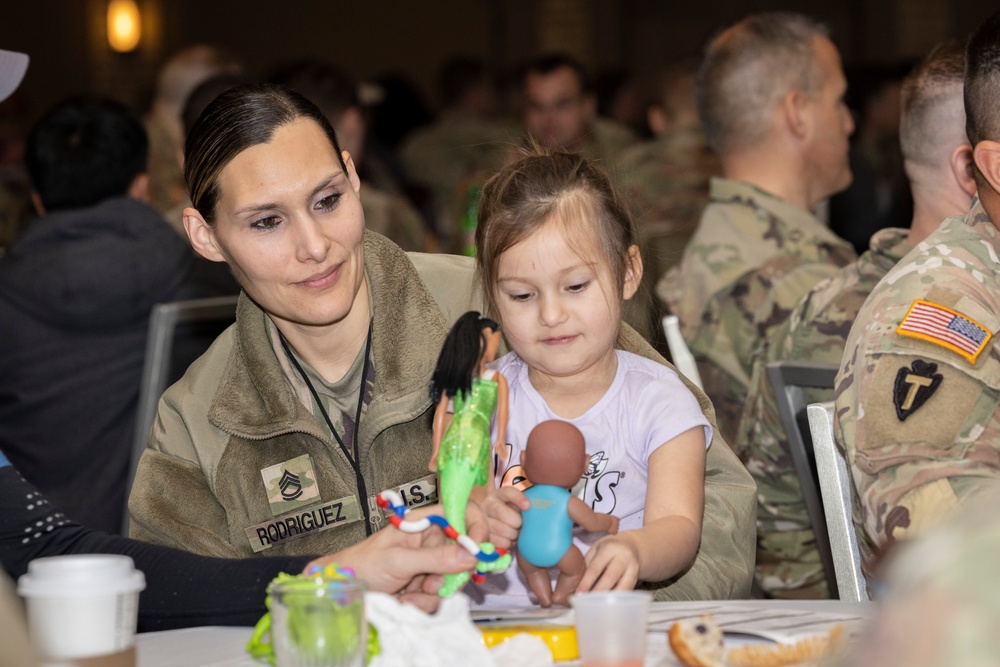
(932, 132)
(466, 144)
(940, 605)
(560, 111)
(770, 96)
(918, 393)
(665, 182)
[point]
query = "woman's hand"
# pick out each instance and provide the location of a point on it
(612, 564)
(502, 508)
(410, 565)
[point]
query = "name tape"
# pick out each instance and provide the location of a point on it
(303, 522)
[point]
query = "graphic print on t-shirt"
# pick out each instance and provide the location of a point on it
(596, 486)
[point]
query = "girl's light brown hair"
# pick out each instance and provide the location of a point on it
(523, 196)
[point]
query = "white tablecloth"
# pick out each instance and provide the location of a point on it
(223, 647)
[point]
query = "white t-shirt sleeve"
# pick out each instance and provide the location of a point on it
(664, 407)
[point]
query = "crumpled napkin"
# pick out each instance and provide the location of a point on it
(410, 637)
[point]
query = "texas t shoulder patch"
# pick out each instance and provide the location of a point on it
(913, 386)
(948, 328)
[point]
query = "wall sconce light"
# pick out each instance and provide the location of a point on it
(124, 25)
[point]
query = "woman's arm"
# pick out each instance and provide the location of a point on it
(668, 540)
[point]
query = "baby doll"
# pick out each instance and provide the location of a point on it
(554, 458)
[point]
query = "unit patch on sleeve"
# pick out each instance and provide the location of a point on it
(942, 326)
(290, 485)
(914, 386)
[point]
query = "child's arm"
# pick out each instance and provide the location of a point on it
(590, 520)
(668, 540)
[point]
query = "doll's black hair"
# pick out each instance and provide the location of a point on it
(459, 355)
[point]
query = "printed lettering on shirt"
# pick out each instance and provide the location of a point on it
(290, 485)
(300, 523)
(600, 490)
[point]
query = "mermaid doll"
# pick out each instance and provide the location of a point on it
(463, 453)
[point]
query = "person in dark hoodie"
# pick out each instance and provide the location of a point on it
(76, 291)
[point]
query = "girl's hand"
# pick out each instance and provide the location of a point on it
(502, 508)
(612, 564)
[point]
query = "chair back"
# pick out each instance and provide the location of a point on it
(179, 332)
(680, 355)
(789, 379)
(836, 488)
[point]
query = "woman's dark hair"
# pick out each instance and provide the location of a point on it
(459, 355)
(238, 119)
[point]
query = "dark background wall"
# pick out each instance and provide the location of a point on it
(66, 38)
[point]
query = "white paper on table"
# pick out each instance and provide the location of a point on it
(767, 622)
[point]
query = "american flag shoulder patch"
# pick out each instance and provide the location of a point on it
(942, 326)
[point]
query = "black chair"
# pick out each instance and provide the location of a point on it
(179, 333)
(789, 379)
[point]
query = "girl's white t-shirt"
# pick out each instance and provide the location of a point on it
(646, 406)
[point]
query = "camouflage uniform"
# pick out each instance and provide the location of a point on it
(751, 259)
(393, 216)
(940, 608)
(665, 183)
(919, 388)
(788, 562)
(606, 141)
(443, 156)
(166, 179)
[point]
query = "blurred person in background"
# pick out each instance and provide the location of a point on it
(76, 291)
(178, 76)
(460, 149)
(665, 181)
(771, 101)
(336, 94)
(560, 111)
(879, 195)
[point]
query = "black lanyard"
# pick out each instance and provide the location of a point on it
(355, 458)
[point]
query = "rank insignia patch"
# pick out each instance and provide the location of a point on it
(290, 485)
(945, 327)
(914, 386)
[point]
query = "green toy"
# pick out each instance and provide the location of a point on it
(462, 449)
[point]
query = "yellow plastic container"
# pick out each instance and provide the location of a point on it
(561, 639)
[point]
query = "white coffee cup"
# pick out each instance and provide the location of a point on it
(81, 606)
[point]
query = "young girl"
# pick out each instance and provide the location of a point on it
(558, 255)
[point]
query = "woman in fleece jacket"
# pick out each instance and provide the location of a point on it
(278, 439)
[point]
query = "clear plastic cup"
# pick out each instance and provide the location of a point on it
(319, 623)
(611, 627)
(82, 607)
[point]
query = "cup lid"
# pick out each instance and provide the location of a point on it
(79, 575)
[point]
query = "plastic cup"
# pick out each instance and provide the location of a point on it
(319, 623)
(83, 609)
(611, 627)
